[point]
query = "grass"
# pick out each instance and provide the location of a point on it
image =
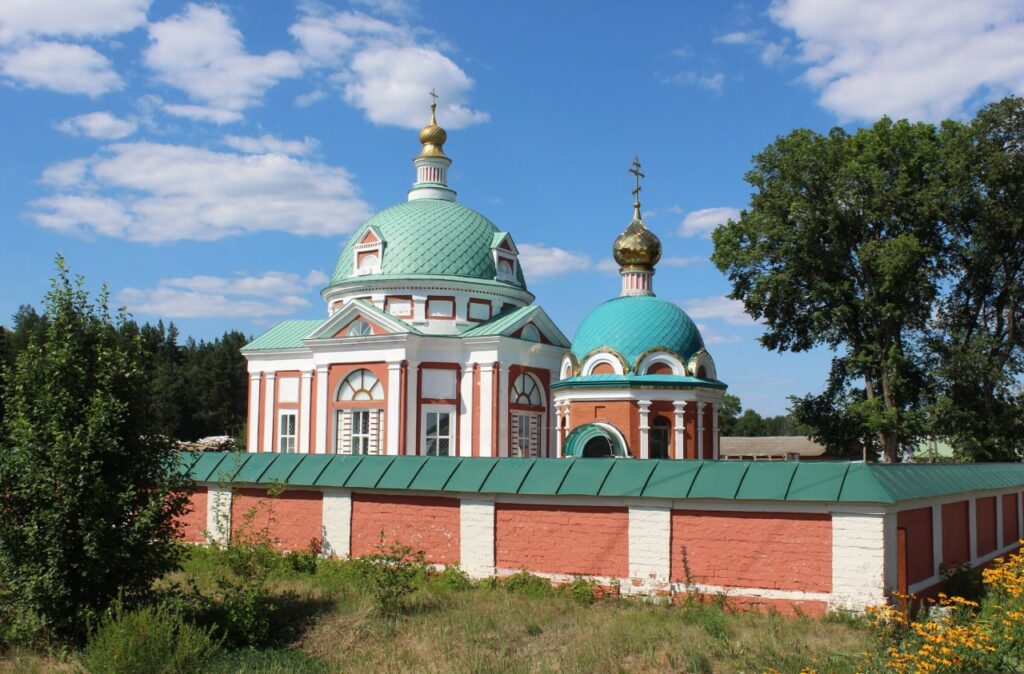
(488, 627)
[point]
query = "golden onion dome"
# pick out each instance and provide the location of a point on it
(433, 137)
(637, 248)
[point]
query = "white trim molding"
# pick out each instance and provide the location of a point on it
(476, 536)
(858, 560)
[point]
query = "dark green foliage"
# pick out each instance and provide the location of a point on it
(276, 661)
(150, 640)
(453, 578)
(527, 584)
(392, 574)
(750, 424)
(90, 495)
(581, 589)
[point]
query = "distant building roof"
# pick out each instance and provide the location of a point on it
(770, 447)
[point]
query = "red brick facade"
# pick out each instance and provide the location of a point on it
(193, 522)
(426, 523)
(918, 526)
(292, 520)
(956, 536)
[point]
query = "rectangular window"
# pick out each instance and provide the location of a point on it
(399, 306)
(440, 307)
(479, 310)
(360, 434)
(525, 435)
(357, 431)
(437, 435)
(286, 433)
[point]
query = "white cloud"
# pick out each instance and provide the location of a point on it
(540, 261)
(773, 52)
(680, 261)
(202, 53)
(65, 68)
(738, 37)
(272, 294)
(306, 100)
(396, 8)
(268, 143)
(26, 19)
(922, 59)
(712, 337)
(712, 82)
(704, 221)
(102, 125)
(720, 308)
(202, 113)
(157, 192)
(385, 69)
(608, 266)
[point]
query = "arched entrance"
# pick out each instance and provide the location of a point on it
(595, 440)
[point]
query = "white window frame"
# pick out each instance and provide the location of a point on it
(357, 437)
(347, 444)
(426, 411)
(532, 424)
(287, 443)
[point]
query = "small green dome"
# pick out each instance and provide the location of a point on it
(633, 326)
(432, 237)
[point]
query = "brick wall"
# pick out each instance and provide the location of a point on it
(780, 551)
(427, 523)
(956, 541)
(985, 519)
(562, 539)
(918, 524)
(193, 522)
(1010, 523)
(293, 519)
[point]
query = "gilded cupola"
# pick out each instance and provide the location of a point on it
(637, 249)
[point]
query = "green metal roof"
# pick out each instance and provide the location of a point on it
(429, 237)
(637, 381)
(631, 326)
(284, 335)
(838, 481)
(499, 323)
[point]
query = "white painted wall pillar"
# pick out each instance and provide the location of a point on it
(645, 428)
(650, 547)
(486, 405)
(253, 441)
(305, 408)
(336, 523)
(392, 441)
(323, 406)
(714, 431)
(936, 538)
(268, 414)
(972, 527)
(1020, 517)
(412, 421)
(999, 523)
(558, 430)
(700, 430)
(476, 536)
(858, 560)
(680, 428)
(503, 410)
(218, 514)
(466, 411)
(891, 553)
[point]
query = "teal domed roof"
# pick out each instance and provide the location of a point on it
(633, 326)
(428, 237)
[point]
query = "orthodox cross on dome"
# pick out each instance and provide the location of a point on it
(635, 170)
(433, 103)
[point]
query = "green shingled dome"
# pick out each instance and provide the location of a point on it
(632, 326)
(430, 237)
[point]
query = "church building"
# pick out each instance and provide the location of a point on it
(433, 346)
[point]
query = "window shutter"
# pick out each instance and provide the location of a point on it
(534, 435)
(374, 444)
(345, 432)
(515, 435)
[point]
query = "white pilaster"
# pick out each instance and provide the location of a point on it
(650, 547)
(999, 523)
(412, 422)
(858, 560)
(252, 444)
(700, 430)
(323, 405)
(394, 410)
(218, 514)
(486, 406)
(1020, 517)
(936, 538)
(503, 410)
(268, 414)
(337, 522)
(972, 526)
(476, 536)
(466, 411)
(679, 408)
(558, 430)
(891, 553)
(645, 428)
(305, 398)
(714, 431)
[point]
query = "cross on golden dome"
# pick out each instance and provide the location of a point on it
(635, 170)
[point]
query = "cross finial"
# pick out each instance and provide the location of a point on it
(433, 95)
(635, 170)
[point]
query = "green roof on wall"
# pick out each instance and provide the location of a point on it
(828, 481)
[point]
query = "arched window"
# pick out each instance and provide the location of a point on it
(359, 328)
(660, 430)
(659, 368)
(504, 268)
(597, 447)
(701, 372)
(369, 263)
(361, 385)
(525, 391)
(530, 333)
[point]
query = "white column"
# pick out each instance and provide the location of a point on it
(252, 445)
(476, 536)
(305, 398)
(268, 414)
(412, 441)
(503, 410)
(714, 431)
(650, 547)
(218, 513)
(680, 428)
(323, 405)
(891, 553)
(858, 560)
(558, 430)
(936, 538)
(972, 527)
(645, 428)
(337, 522)
(486, 405)
(391, 438)
(700, 430)
(466, 413)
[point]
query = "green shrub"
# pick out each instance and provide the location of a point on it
(393, 574)
(150, 640)
(581, 589)
(453, 578)
(527, 584)
(962, 580)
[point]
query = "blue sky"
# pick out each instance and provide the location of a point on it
(207, 161)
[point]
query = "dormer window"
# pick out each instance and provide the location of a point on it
(367, 253)
(359, 328)
(506, 257)
(369, 264)
(530, 333)
(505, 269)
